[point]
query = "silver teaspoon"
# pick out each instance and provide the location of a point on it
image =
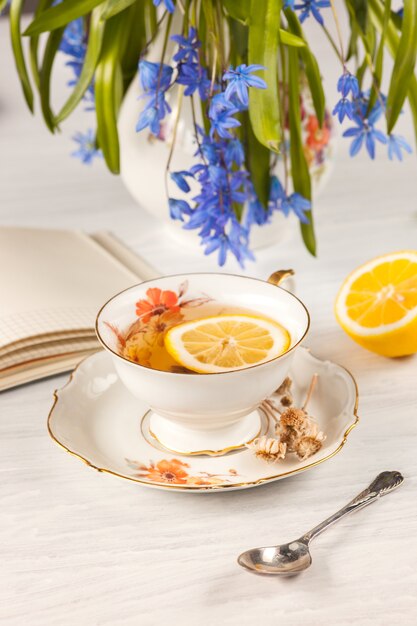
(294, 557)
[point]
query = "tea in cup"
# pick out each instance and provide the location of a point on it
(203, 351)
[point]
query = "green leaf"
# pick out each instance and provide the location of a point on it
(365, 28)
(393, 40)
(404, 64)
(60, 15)
(360, 72)
(109, 89)
(152, 18)
(95, 38)
(360, 9)
(51, 48)
(258, 160)
(238, 9)
(115, 6)
(239, 36)
(291, 40)
(34, 44)
(353, 41)
(299, 168)
(311, 68)
(136, 39)
(19, 57)
(3, 4)
(379, 60)
(263, 50)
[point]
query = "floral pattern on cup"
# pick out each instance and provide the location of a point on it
(178, 472)
(159, 311)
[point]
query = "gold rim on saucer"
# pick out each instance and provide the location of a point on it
(211, 487)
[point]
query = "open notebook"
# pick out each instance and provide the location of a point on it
(52, 283)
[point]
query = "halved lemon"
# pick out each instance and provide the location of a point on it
(226, 342)
(377, 304)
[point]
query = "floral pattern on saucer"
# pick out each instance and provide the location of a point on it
(175, 472)
(103, 430)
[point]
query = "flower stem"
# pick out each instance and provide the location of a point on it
(332, 43)
(310, 391)
(174, 136)
(339, 30)
(283, 111)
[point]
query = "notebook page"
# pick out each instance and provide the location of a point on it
(53, 281)
(48, 349)
(40, 369)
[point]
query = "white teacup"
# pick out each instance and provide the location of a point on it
(206, 412)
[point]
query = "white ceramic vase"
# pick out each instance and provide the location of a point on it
(144, 159)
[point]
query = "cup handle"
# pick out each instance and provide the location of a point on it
(283, 276)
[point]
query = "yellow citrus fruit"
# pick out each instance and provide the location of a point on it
(226, 342)
(377, 304)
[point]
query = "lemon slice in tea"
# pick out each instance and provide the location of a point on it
(226, 342)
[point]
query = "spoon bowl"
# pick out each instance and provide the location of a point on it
(292, 558)
(285, 560)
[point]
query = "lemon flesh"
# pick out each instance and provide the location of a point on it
(377, 304)
(226, 342)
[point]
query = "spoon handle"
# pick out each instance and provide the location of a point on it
(384, 483)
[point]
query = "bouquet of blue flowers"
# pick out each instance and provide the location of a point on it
(241, 64)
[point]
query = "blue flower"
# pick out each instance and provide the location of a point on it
(348, 83)
(295, 203)
(187, 47)
(178, 208)
(289, 4)
(73, 40)
(87, 149)
(312, 7)
(154, 76)
(364, 132)
(169, 5)
(240, 79)
(276, 192)
(234, 153)
(221, 113)
(344, 108)
(361, 104)
(180, 181)
(396, 143)
(298, 205)
(221, 124)
(194, 77)
(153, 114)
(234, 241)
(73, 44)
(256, 213)
(155, 79)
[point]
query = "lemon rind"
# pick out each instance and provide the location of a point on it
(383, 329)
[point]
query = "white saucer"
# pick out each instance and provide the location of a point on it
(97, 420)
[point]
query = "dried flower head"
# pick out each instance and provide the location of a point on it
(307, 446)
(294, 425)
(268, 449)
(287, 435)
(294, 418)
(287, 400)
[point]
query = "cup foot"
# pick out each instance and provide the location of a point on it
(186, 441)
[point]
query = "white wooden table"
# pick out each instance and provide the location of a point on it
(81, 548)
